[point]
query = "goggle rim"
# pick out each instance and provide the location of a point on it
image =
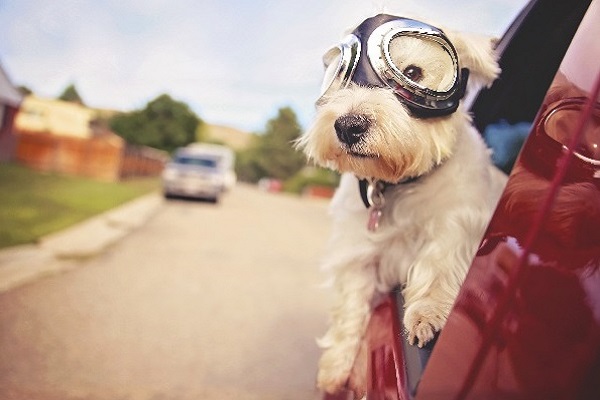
(380, 58)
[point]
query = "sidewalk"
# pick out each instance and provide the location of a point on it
(60, 251)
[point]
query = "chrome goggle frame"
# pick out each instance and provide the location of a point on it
(348, 52)
(373, 43)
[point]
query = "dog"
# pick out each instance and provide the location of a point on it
(391, 120)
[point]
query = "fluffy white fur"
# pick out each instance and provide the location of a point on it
(430, 229)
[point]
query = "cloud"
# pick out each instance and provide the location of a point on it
(234, 62)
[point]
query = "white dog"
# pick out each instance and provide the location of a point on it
(390, 114)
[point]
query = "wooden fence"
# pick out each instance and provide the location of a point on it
(142, 161)
(105, 157)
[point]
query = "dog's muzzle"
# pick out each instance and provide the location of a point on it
(365, 58)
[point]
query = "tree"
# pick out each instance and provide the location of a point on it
(163, 124)
(70, 94)
(25, 91)
(273, 154)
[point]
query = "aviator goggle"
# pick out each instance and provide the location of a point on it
(373, 56)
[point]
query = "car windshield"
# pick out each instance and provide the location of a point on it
(206, 162)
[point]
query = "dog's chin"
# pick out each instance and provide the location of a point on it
(369, 166)
(359, 153)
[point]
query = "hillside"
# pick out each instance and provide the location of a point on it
(234, 138)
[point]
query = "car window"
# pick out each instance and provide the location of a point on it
(530, 52)
(198, 161)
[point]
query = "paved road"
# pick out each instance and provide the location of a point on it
(203, 302)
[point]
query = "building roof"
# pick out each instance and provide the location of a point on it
(9, 95)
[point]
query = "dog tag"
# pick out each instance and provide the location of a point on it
(376, 201)
(374, 217)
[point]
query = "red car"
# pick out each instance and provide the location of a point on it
(526, 324)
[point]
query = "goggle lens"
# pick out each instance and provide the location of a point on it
(332, 60)
(340, 63)
(434, 69)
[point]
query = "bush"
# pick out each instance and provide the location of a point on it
(311, 177)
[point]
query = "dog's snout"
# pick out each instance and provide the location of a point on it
(351, 128)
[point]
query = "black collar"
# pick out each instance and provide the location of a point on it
(363, 186)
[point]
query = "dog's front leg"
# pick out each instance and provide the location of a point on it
(433, 283)
(354, 291)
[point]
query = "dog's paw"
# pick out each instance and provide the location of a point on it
(422, 319)
(357, 382)
(334, 370)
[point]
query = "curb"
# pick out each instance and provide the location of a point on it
(94, 235)
(60, 251)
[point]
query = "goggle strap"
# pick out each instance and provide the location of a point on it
(464, 78)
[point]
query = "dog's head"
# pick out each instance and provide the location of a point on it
(390, 103)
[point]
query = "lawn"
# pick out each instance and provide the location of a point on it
(34, 204)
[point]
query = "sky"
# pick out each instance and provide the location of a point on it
(234, 62)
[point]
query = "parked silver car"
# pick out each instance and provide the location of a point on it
(199, 171)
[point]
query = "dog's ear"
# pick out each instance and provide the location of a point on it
(476, 52)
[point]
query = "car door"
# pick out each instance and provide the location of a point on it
(526, 324)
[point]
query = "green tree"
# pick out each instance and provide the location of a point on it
(247, 167)
(163, 124)
(273, 154)
(70, 94)
(25, 91)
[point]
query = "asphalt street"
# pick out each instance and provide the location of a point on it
(202, 301)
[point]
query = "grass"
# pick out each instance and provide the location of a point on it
(34, 204)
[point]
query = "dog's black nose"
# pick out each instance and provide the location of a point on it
(351, 128)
